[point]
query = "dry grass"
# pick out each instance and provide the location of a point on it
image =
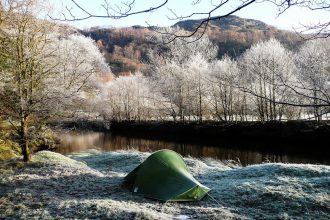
(88, 185)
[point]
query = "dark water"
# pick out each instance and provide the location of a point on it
(75, 142)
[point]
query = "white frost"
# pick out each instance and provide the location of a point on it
(88, 185)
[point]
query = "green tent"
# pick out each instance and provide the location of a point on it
(165, 176)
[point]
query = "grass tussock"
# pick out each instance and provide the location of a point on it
(88, 185)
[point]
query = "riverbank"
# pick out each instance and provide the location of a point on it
(279, 136)
(303, 132)
(88, 185)
(276, 131)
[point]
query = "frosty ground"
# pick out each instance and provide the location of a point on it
(88, 185)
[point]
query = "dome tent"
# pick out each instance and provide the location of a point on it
(164, 176)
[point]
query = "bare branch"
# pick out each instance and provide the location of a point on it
(125, 9)
(117, 13)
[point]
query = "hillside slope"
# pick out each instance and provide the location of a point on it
(125, 48)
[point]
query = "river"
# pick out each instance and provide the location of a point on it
(105, 141)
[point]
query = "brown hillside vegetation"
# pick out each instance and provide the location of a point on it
(125, 48)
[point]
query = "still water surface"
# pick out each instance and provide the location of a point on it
(104, 141)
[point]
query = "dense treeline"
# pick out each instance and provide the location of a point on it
(187, 82)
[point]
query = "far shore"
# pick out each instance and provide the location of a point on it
(290, 135)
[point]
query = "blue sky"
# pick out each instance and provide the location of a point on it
(266, 12)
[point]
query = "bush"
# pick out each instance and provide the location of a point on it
(40, 138)
(8, 150)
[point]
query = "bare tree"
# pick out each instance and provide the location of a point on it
(22, 44)
(110, 10)
(218, 9)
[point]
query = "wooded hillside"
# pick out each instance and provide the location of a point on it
(125, 48)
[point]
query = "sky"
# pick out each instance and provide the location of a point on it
(295, 17)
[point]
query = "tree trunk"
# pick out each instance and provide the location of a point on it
(200, 107)
(317, 115)
(26, 152)
(23, 140)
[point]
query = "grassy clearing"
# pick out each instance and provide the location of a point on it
(88, 185)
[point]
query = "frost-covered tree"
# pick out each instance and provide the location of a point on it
(313, 82)
(267, 67)
(129, 98)
(227, 101)
(170, 81)
(76, 76)
(196, 73)
(42, 71)
(178, 75)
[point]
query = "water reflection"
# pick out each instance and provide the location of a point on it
(75, 142)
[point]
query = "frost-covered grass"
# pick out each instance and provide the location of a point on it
(88, 185)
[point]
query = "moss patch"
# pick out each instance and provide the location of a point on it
(8, 150)
(6, 153)
(41, 138)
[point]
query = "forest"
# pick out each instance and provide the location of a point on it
(187, 82)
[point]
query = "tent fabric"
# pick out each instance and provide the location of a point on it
(164, 176)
